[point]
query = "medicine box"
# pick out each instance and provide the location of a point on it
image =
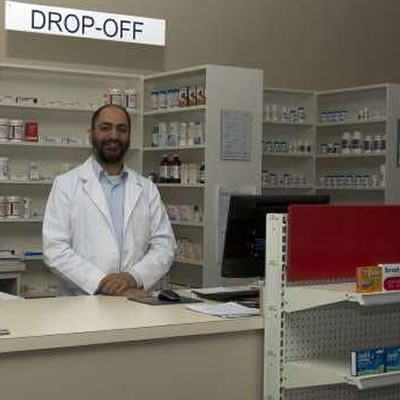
(368, 362)
(390, 277)
(369, 279)
(393, 359)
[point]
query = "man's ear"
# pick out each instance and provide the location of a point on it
(90, 136)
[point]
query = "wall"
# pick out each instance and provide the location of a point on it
(312, 44)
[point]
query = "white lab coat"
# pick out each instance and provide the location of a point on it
(78, 239)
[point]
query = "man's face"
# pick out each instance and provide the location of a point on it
(111, 136)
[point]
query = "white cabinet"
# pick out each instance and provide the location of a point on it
(192, 204)
(288, 141)
(357, 144)
(62, 102)
(345, 144)
(310, 330)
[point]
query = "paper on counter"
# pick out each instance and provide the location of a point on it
(227, 310)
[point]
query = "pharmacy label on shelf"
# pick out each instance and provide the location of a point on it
(83, 24)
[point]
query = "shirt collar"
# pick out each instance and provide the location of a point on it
(100, 172)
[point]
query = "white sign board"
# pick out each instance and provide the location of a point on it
(83, 24)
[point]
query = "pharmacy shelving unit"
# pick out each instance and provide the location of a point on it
(288, 142)
(66, 100)
(369, 177)
(227, 88)
(312, 327)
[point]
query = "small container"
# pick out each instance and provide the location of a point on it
(154, 99)
(163, 170)
(376, 144)
(173, 134)
(17, 207)
(192, 95)
(202, 173)
(130, 96)
(198, 134)
(345, 143)
(4, 168)
(193, 173)
(171, 98)
(367, 144)
(163, 134)
(16, 132)
(184, 174)
(33, 173)
(183, 100)
(115, 97)
(162, 99)
(31, 131)
(191, 133)
(182, 134)
(175, 169)
(4, 129)
(356, 140)
(201, 95)
(155, 139)
(4, 207)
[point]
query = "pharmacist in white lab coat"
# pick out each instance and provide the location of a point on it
(105, 228)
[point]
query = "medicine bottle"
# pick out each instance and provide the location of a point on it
(4, 129)
(130, 96)
(16, 132)
(31, 131)
(345, 144)
(175, 170)
(163, 169)
(202, 173)
(4, 168)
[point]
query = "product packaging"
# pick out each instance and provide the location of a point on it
(369, 279)
(390, 277)
(368, 362)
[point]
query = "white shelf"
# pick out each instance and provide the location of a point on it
(181, 185)
(334, 370)
(46, 145)
(354, 188)
(353, 122)
(21, 220)
(15, 182)
(299, 298)
(363, 155)
(285, 123)
(175, 110)
(174, 148)
(189, 261)
(187, 223)
(288, 155)
(57, 108)
(288, 187)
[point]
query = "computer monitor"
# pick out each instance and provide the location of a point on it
(244, 247)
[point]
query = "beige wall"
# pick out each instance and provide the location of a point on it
(298, 43)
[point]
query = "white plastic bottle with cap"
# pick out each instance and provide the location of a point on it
(345, 145)
(356, 142)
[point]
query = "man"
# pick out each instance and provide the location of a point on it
(105, 228)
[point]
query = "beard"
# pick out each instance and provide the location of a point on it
(110, 151)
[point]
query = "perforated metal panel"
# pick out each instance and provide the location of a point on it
(343, 392)
(339, 328)
(323, 331)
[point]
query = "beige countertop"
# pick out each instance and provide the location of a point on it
(87, 320)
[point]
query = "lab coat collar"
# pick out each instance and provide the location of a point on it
(92, 187)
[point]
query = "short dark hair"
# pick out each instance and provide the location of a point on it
(96, 114)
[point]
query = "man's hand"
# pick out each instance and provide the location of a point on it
(134, 294)
(117, 284)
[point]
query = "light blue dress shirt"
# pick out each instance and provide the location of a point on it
(114, 191)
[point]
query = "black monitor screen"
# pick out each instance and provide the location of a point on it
(244, 248)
